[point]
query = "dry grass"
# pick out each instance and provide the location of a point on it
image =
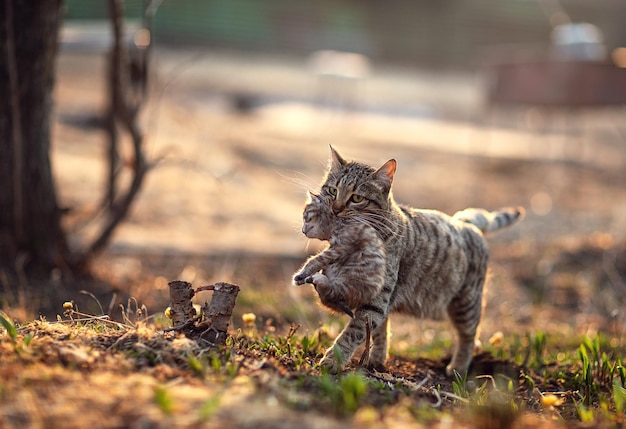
(83, 371)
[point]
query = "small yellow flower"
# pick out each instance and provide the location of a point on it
(68, 305)
(551, 400)
(496, 338)
(248, 318)
(168, 312)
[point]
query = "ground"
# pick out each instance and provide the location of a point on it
(223, 204)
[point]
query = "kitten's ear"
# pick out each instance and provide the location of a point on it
(387, 171)
(336, 160)
(311, 197)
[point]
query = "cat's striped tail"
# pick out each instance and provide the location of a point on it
(488, 221)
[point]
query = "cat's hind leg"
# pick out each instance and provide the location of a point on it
(465, 313)
(380, 346)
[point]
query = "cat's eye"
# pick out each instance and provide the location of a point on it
(332, 191)
(357, 198)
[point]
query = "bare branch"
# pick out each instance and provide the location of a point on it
(125, 112)
(208, 287)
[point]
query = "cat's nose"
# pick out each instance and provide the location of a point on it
(337, 208)
(305, 229)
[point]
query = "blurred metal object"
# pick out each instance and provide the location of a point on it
(557, 83)
(578, 41)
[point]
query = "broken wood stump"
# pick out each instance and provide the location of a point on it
(212, 323)
(181, 308)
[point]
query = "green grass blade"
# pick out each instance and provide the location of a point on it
(8, 324)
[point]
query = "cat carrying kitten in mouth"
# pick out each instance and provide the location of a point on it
(385, 257)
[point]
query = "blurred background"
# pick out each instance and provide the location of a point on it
(482, 103)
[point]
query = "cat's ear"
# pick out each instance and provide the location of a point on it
(336, 160)
(387, 171)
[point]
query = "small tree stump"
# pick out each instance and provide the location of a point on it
(212, 324)
(216, 315)
(181, 308)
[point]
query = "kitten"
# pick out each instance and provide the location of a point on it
(354, 264)
(435, 264)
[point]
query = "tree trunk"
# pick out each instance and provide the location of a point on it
(31, 237)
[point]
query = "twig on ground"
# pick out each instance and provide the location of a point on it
(184, 326)
(449, 395)
(84, 317)
(86, 292)
(292, 330)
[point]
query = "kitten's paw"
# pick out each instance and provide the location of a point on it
(318, 280)
(300, 278)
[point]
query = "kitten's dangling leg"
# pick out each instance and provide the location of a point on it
(328, 294)
(344, 307)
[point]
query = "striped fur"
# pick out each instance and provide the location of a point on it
(353, 265)
(488, 221)
(435, 264)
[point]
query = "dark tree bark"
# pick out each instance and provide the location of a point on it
(31, 237)
(32, 240)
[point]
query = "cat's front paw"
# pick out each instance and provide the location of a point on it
(377, 359)
(457, 367)
(331, 363)
(376, 366)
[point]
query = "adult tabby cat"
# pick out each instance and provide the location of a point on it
(435, 264)
(354, 264)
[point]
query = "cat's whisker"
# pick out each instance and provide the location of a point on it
(377, 227)
(382, 225)
(303, 182)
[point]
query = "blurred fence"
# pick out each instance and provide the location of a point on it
(441, 33)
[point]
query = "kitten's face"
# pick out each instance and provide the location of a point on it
(317, 219)
(357, 191)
